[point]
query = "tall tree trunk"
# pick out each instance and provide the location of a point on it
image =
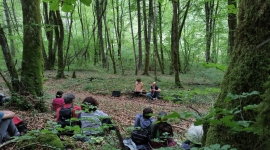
(139, 34)
(232, 22)
(133, 41)
(99, 13)
(209, 9)
(160, 35)
(32, 60)
(248, 71)
(156, 54)
(69, 38)
(81, 20)
(9, 62)
(12, 45)
(48, 17)
(174, 43)
(60, 40)
(147, 35)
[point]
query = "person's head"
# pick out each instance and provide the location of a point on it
(139, 80)
(162, 130)
(147, 113)
(59, 94)
(161, 116)
(91, 103)
(69, 98)
(154, 84)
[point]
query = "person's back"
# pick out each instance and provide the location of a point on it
(144, 121)
(162, 135)
(92, 118)
(162, 132)
(58, 101)
(67, 111)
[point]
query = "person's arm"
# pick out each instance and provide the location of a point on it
(8, 114)
(158, 90)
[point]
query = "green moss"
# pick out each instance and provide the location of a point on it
(42, 141)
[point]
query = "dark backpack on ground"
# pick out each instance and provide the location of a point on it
(20, 124)
(141, 136)
(65, 115)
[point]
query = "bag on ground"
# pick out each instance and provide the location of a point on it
(140, 136)
(20, 124)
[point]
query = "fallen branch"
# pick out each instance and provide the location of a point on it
(179, 127)
(6, 143)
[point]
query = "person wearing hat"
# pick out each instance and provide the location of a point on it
(162, 132)
(194, 136)
(68, 108)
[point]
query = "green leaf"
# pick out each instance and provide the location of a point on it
(67, 7)
(225, 147)
(86, 2)
(54, 5)
(251, 107)
(215, 146)
(173, 115)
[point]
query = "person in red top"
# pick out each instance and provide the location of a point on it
(58, 101)
(68, 99)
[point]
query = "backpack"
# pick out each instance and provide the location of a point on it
(90, 124)
(141, 136)
(65, 115)
(20, 124)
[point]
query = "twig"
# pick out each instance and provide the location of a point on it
(179, 127)
(195, 110)
(6, 143)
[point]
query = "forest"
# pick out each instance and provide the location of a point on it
(209, 57)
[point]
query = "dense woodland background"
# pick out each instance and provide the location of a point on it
(155, 38)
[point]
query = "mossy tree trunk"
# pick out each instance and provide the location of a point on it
(32, 60)
(248, 71)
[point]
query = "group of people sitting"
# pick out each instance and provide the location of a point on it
(89, 117)
(153, 92)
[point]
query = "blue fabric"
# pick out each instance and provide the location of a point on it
(143, 123)
(1, 115)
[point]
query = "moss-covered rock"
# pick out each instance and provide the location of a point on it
(42, 141)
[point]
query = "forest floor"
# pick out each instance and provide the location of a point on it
(122, 109)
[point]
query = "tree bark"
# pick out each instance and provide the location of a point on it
(60, 40)
(32, 60)
(232, 22)
(132, 35)
(160, 36)
(7, 14)
(175, 43)
(139, 34)
(248, 71)
(9, 62)
(209, 9)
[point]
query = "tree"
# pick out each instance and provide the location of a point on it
(32, 60)
(139, 34)
(232, 22)
(248, 71)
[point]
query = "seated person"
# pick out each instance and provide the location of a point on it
(67, 111)
(162, 133)
(7, 127)
(138, 87)
(58, 101)
(154, 91)
(194, 136)
(144, 121)
(91, 118)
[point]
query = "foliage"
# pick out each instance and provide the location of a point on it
(39, 140)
